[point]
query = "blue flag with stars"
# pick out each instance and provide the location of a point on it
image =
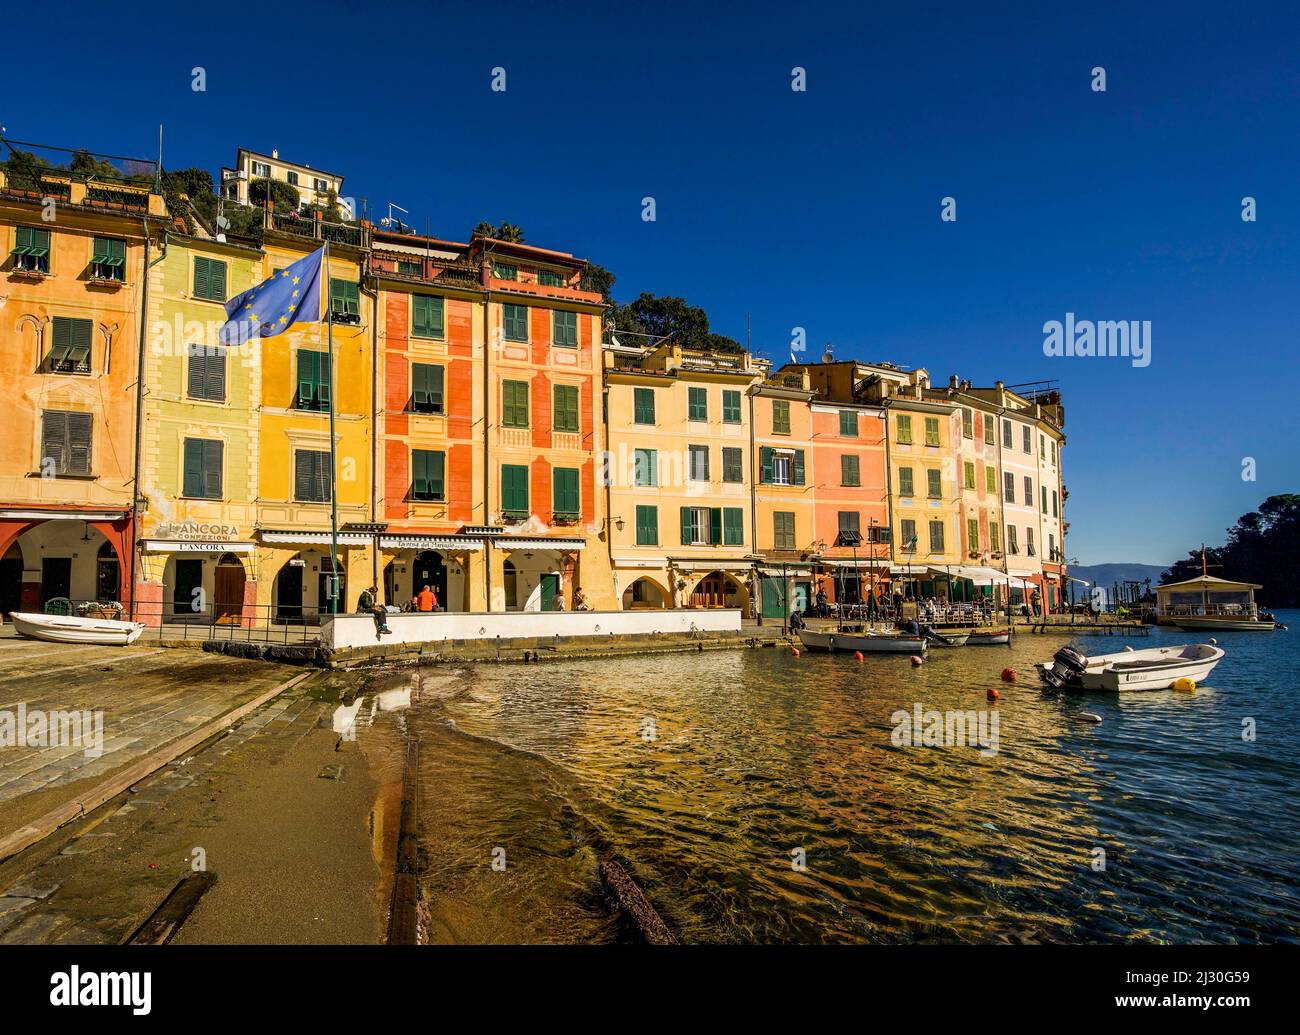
(290, 296)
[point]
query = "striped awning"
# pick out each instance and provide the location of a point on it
(505, 543)
(315, 538)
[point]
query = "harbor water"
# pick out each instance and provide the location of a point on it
(756, 796)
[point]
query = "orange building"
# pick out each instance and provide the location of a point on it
(74, 249)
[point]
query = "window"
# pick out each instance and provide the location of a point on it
(1029, 540)
(850, 470)
(908, 528)
(504, 271)
(697, 404)
(1029, 491)
(427, 316)
(311, 476)
(643, 405)
(1042, 446)
(780, 417)
(32, 249)
(261, 169)
(972, 534)
(549, 278)
(345, 301)
(701, 526)
(428, 470)
(934, 484)
(995, 538)
(564, 492)
(205, 377)
(904, 424)
(319, 185)
(209, 279)
(1006, 434)
(851, 521)
(409, 268)
(970, 475)
(1051, 547)
(991, 481)
(730, 406)
(848, 423)
(783, 530)
(967, 423)
(1027, 438)
(647, 526)
(645, 467)
(69, 346)
(931, 431)
(1012, 545)
(1054, 454)
(733, 464)
(202, 474)
(564, 408)
(514, 404)
(905, 485)
(988, 431)
(936, 537)
(108, 260)
(514, 490)
(65, 442)
(426, 388)
(1009, 487)
(697, 468)
(564, 329)
(292, 177)
(313, 380)
(781, 466)
(515, 322)
(1055, 505)
(733, 526)
(1044, 491)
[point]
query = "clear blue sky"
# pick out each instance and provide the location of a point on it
(817, 209)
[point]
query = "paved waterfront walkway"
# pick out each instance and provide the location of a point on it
(149, 696)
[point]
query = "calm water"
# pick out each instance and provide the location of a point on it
(756, 754)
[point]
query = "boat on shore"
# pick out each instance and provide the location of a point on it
(947, 637)
(1155, 668)
(991, 638)
(849, 638)
(70, 629)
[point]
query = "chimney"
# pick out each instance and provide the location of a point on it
(953, 381)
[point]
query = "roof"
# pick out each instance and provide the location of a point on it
(1209, 582)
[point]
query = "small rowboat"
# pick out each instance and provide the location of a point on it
(1157, 668)
(69, 629)
(851, 638)
(943, 638)
(990, 639)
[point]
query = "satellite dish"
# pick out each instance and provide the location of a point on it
(613, 340)
(223, 223)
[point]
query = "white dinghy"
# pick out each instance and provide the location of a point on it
(1156, 668)
(849, 638)
(69, 629)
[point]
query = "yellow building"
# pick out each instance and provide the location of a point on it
(679, 475)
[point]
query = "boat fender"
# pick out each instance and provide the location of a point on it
(917, 660)
(1008, 675)
(1213, 641)
(993, 694)
(857, 656)
(1128, 648)
(1185, 684)
(1090, 717)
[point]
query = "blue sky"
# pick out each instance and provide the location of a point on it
(817, 209)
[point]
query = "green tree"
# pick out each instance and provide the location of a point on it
(505, 232)
(1262, 547)
(284, 196)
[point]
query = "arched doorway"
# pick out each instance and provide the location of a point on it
(228, 590)
(511, 574)
(644, 594)
(108, 573)
(719, 589)
(288, 591)
(430, 569)
(11, 580)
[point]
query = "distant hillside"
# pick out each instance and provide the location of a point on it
(1107, 575)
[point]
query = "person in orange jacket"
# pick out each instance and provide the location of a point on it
(426, 599)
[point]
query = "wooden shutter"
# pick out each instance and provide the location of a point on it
(715, 526)
(302, 472)
(54, 439)
(686, 526)
(213, 451)
(192, 482)
(733, 526)
(765, 462)
(565, 490)
(798, 467)
(306, 378)
(436, 473)
(201, 278)
(78, 452)
(216, 371)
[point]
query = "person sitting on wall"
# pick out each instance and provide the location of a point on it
(426, 600)
(368, 603)
(797, 622)
(580, 600)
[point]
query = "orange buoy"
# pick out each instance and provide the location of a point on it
(917, 660)
(1008, 675)
(857, 655)
(993, 693)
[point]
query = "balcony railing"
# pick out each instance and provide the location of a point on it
(353, 234)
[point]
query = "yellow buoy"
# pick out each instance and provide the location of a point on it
(1185, 684)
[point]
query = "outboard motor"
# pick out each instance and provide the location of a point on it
(1067, 666)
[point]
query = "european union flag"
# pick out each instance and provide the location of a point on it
(287, 297)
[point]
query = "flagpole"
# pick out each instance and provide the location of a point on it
(334, 497)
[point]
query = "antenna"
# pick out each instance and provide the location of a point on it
(390, 220)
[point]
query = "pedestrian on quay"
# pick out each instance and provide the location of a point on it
(368, 603)
(426, 600)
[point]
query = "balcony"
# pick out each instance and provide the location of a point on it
(422, 269)
(354, 235)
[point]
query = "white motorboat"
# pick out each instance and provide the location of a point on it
(1219, 623)
(995, 638)
(947, 637)
(70, 629)
(1156, 668)
(849, 638)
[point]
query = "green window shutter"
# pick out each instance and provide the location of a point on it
(54, 438)
(202, 277)
(686, 526)
(515, 322)
(193, 481)
(427, 474)
(514, 404)
(202, 473)
(715, 526)
(733, 526)
(970, 475)
(765, 463)
(564, 491)
(905, 481)
(850, 472)
(647, 525)
(643, 405)
(24, 240)
(849, 423)
(345, 298)
(697, 404)
(79, 426)
(904, 429)
(213, 450)
(798, 467)
(991, 480)
(730, 406)
(514, 488)
(426, 388)
(733, 464)
(308, 378)
(781, 417)
(934, 484)
(932, 431)
(564, 416)
(564, 328)
(427, 316)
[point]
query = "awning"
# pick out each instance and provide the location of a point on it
(64, 515)
(194, 546)
(910, 569)
(315, 538)
(692, 564)
(504, 543)
(980, 575)
(428, 542)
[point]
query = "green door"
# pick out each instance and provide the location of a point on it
(774, 594)
(550, 587)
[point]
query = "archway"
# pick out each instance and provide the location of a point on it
(430, 569)
(108, 573)
(645, 593)
(287, 594)
(11, 580)
(719, 589)
(511, 575)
